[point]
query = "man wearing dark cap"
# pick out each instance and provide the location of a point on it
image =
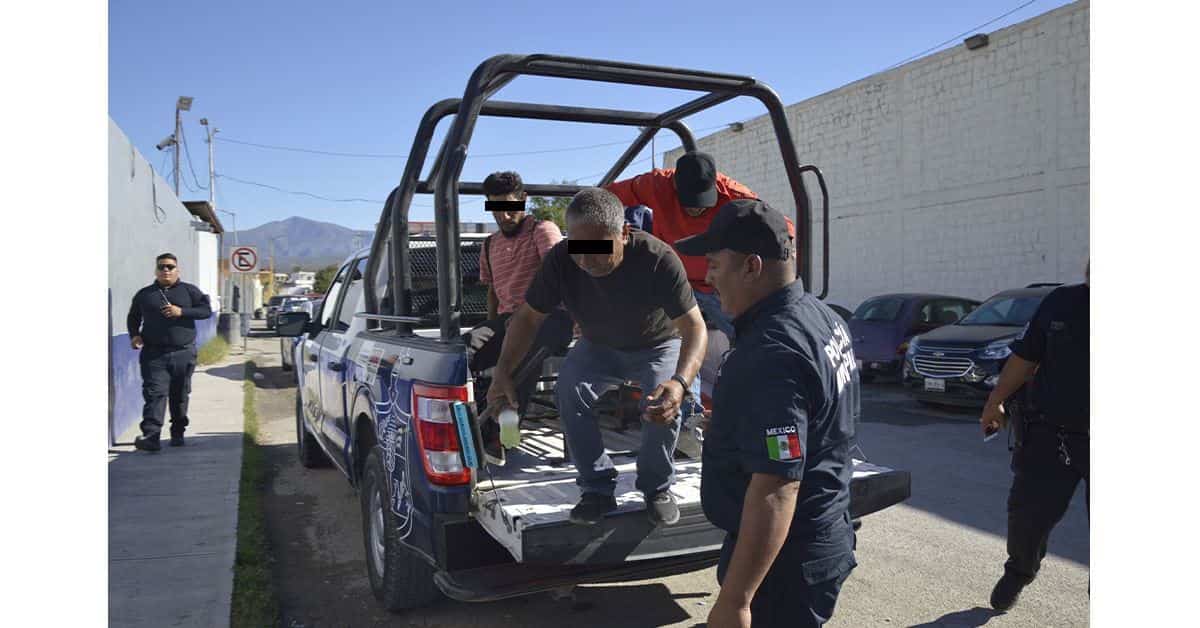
(684, 201)
(777, 466)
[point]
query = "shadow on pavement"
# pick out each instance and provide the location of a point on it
(229, 371)
(973, 617)
(955, 475)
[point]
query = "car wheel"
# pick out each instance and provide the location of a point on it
(307, 447)
(399, 578)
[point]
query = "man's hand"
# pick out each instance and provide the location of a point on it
(476, 338)
(663, 404)
(992, 419)
(726, 614)
(501, 392)
(136, 342)
(172, 311)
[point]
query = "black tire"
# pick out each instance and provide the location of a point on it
(407, 580)
(309, 451)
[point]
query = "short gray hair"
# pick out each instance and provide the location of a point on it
(596, 206)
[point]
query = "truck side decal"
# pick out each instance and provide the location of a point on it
(392, 432)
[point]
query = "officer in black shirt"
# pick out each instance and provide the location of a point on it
(162, 324)
(777, 468)
(1051, 451)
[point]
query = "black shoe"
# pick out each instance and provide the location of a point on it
(663, 509)
(493, 451)
(1006, 592)
(591, 508)
(146, 443)
(177, 440)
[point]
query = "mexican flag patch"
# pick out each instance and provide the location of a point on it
(784, 446)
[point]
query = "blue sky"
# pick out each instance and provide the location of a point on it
(355, 77)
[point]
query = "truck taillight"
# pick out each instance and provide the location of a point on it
(437, 433)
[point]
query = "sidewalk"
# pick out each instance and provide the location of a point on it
(172, 515)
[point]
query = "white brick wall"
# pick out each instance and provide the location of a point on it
(965, 172)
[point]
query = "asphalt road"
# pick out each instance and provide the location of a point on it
(928, 562)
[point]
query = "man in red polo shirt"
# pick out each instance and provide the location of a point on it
(684, 201)
(508, 262)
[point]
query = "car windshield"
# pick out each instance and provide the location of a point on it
(1006, 311)
(275, 301)
(879, 309)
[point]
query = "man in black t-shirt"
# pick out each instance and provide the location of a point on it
(1051, 454)
(776, 473)
(629, 293)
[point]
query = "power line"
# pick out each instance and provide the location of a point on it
(957, 37)
(325, 198)
(187, 152)
(399, 156)
(299, 193)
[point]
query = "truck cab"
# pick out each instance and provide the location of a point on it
(385, 395)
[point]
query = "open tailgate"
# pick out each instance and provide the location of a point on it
(531, 519)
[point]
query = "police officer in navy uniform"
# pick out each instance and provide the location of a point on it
(162, 324)
(1052, 435)
(776, 462)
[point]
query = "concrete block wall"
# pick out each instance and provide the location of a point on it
(145, 219)
(965, 172)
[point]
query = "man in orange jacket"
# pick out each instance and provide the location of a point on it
(685, 201)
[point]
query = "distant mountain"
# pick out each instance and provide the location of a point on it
(309, 244)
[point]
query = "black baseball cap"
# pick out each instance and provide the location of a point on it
(696, 180)
(744, 225)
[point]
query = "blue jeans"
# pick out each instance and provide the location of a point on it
(710, 309)
(587, 372)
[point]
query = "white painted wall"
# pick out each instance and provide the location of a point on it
(965, 172)
(145, 219)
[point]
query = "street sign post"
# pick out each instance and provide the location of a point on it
(244, 259)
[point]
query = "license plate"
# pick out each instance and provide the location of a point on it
(935, 385)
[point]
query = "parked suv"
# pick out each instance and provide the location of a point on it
(882, 325)
(960, 364)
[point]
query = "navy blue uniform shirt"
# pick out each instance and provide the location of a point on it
(146, 320)
(1058, 339)
(786, 402)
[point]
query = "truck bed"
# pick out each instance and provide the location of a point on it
(525, 504)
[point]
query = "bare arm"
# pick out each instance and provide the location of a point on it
(766, 518)
(1014, 374)
(518, 338)
(493, 303)
(691, 354)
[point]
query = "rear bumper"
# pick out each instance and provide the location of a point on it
(485, 584)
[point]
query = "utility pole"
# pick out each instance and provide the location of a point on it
(184, 103)
(212, 173)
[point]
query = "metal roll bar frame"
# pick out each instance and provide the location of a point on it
(494, 73)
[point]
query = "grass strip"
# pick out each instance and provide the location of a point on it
(213, 351)
(254, 602)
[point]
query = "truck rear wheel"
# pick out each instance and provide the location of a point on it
(307, 447)
(399, 578)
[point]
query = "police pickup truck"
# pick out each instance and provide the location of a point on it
(384, 393)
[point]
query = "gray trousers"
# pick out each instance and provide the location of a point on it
(586, 373)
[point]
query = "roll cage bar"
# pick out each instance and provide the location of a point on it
(489, 77)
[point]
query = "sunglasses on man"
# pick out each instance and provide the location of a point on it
(166, 267)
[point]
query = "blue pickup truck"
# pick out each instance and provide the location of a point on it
(384, 393)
